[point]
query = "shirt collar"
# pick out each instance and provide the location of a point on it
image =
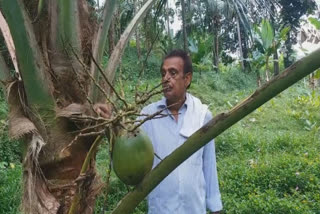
(163, 104)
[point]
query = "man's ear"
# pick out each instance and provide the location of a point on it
(188, 78)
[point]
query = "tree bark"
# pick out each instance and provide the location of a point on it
(245, 51)
(240, 45)
(215, 45)
(111, 36)
(267, 68)
(168, 20)
(136, 8)
(184, 30)
(276, 67)
(288, 44)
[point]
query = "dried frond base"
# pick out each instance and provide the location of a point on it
(36, 199)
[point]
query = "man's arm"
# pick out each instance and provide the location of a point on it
(213, 197)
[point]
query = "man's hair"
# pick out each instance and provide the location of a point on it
(187, 64)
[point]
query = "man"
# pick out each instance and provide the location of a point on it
(193, 186)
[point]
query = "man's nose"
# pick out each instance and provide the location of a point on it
(166, 77)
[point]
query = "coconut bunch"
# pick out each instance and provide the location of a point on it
(129, 147)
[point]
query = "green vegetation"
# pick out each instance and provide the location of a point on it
(267, 163)
(10, 166)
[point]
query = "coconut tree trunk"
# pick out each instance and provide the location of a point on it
(184, 29)
(167, 19)
(46, 136)
(111, 36)
(136, 8)
(240, 45)
(267, 68)
(245, 51)
(276, 67)
(258, 80)
(138, 44)
(215, 42)
(312, 81)
(54, 64)
(288, 44)
(188, 17)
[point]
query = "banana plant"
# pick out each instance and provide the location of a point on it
(267, 42)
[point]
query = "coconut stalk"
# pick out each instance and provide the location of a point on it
(9, 43)
(216, 126)
(36, 83)
(100, 44)
(64, 40)
(68, 31)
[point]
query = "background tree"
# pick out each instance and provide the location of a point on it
(291, 11)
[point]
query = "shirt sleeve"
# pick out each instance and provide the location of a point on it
(213, 197)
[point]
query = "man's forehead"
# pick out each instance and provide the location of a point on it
(172, 62)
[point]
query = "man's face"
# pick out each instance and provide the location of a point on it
(175, 81)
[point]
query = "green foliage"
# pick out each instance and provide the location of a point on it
(10, 188)
(10, 151)
(265, 39)
(290, 13)
(25, 45)
(201, 52)
(229, 79)
(267, 35)
(315, 22)
(10, 168)
(268, 162)
(266, 43)
(131, 67)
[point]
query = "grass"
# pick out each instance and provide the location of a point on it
(267, 163)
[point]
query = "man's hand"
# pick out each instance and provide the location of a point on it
(103, 110)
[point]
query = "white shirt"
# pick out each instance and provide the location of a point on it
(193, 186)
